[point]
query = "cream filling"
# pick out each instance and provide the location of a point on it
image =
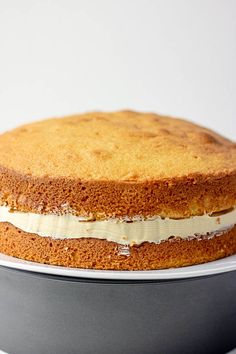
(155, 229)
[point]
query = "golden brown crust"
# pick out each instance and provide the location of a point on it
(118, 146)
(117, 164)
(101, 254)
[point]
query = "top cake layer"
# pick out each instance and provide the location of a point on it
(122, 146)
(123, 163)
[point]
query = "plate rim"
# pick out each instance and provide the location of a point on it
(210, 268)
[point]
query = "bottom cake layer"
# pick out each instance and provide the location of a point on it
(102, 254)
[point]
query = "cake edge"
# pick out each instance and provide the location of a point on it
(185, 196)
(102, 254)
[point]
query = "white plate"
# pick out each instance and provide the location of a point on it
(224, 265)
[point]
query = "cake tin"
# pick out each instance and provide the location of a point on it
(51, 310)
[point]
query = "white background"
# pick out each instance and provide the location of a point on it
(172, 56)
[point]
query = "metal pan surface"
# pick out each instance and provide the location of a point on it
(47, 314)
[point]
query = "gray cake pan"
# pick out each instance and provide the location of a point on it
(45, 314)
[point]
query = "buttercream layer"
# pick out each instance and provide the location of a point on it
(134, 231)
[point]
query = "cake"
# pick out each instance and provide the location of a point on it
(122, 191)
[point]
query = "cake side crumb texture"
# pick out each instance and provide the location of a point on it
(101, 254)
